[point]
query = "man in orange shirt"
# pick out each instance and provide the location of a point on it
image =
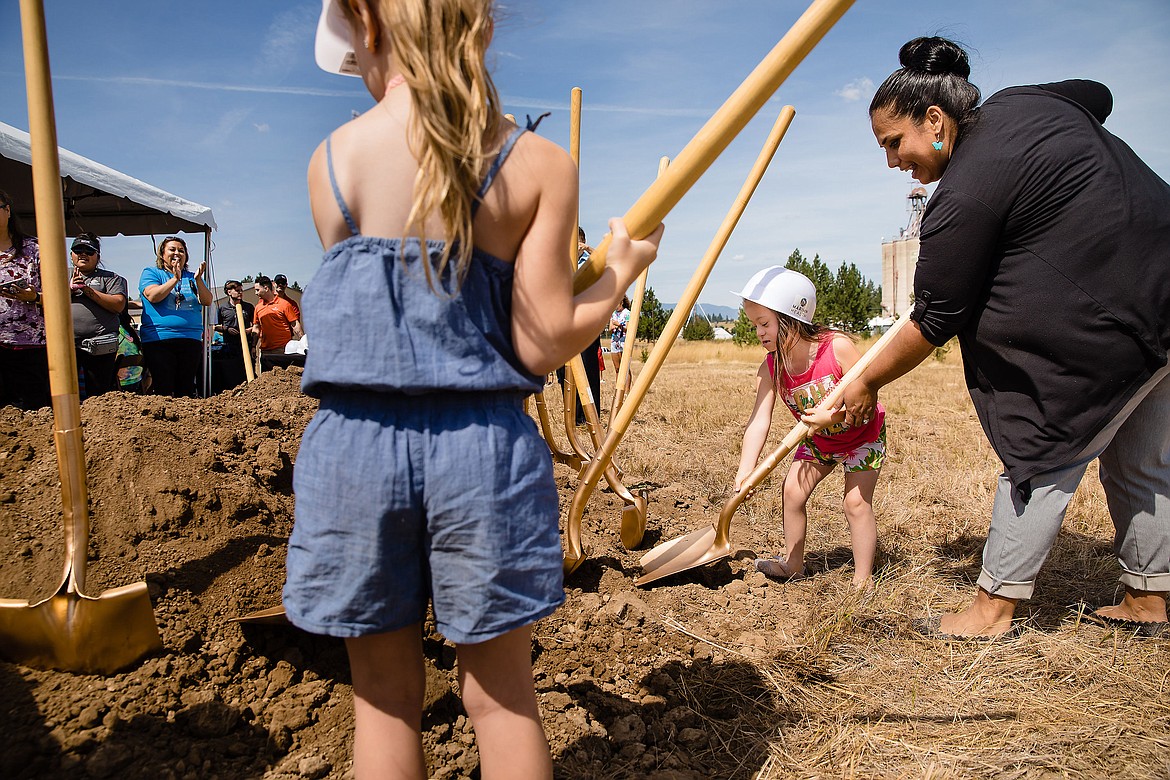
(279, 285)
(277, 323)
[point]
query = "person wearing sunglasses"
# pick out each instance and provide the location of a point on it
(99, 296)
(24, 365)
(173, 299)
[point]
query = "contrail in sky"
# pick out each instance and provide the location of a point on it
(511, 100)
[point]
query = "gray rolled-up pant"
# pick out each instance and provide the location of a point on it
(1134, 453)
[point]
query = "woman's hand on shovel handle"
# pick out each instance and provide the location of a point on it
(860, 403)
(628, 257)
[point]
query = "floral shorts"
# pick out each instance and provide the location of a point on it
(870, 456)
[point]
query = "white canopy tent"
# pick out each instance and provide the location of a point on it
(97, 198)
(102, 200)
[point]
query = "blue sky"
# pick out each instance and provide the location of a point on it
(220, 102)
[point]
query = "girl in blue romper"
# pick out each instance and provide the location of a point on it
(443, 299)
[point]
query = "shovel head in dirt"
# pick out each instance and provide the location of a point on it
(713, 543)
(80, 633)
(273, 616)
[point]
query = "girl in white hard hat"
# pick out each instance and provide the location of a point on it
(804, 363)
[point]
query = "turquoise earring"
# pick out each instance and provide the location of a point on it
(937, 145)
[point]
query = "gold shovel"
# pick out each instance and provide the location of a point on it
(619, 393)
(719, 131)
(575, 551)
(713, 543)
(69, 630)
(244, 343)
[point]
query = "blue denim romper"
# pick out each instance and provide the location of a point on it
(420, 476)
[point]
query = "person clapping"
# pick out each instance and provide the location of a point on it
(172, 319)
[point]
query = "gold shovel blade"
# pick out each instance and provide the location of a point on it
(634, 521)
(681, 553)
(77, 633)
(273, 616)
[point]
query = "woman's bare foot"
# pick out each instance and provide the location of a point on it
(779, 569)
(1139, 606)
(863, 583)
(988, 615)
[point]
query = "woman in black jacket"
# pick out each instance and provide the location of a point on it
(1046, 249)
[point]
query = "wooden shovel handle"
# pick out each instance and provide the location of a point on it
(247, 350)
(621, 421)
(62, 356)
(743, 104)
(619, 393)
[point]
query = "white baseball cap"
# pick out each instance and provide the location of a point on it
(334, 47)
(783, 290)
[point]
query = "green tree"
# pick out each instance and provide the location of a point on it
(744, 331)
(653, 317)
(853, 299)
(698, 329)
(845, 299)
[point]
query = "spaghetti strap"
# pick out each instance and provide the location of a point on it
(501, 156)
(353, 228)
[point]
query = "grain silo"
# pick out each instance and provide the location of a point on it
(899, 257)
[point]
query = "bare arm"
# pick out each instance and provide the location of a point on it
(906, 351)
(297, 330)
(155, 293)
(108, 301)
(758, 425)
(549, 323)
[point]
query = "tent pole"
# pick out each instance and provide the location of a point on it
(207, 315)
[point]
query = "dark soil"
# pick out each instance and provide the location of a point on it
(194, 497)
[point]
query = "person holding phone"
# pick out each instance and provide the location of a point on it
(24, 364)
(99, 296)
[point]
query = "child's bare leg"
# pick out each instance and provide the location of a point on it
(388, 688)
(859, 486)
(498, 694)
(802, 479)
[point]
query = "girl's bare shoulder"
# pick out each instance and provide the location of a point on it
(845, 348)
(535, 154)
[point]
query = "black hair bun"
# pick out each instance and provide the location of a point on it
(936, 56)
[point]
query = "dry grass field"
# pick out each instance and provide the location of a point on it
(712, 673)
(836, 683)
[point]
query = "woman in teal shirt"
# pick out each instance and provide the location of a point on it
(173, 300)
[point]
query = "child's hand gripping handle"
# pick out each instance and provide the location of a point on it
(702, 150)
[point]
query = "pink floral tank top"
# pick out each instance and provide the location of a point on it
(806, 389)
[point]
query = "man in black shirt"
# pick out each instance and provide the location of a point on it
(228, 369)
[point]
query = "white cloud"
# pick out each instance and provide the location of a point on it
(855, 90)
(261, 127)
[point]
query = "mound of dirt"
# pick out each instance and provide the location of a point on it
(194, 496)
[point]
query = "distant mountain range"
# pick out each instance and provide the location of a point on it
(712, 311)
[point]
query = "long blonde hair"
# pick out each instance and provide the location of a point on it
(791, 332)
(455, 128)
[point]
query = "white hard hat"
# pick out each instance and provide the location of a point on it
(782, 290)
(334, 46)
